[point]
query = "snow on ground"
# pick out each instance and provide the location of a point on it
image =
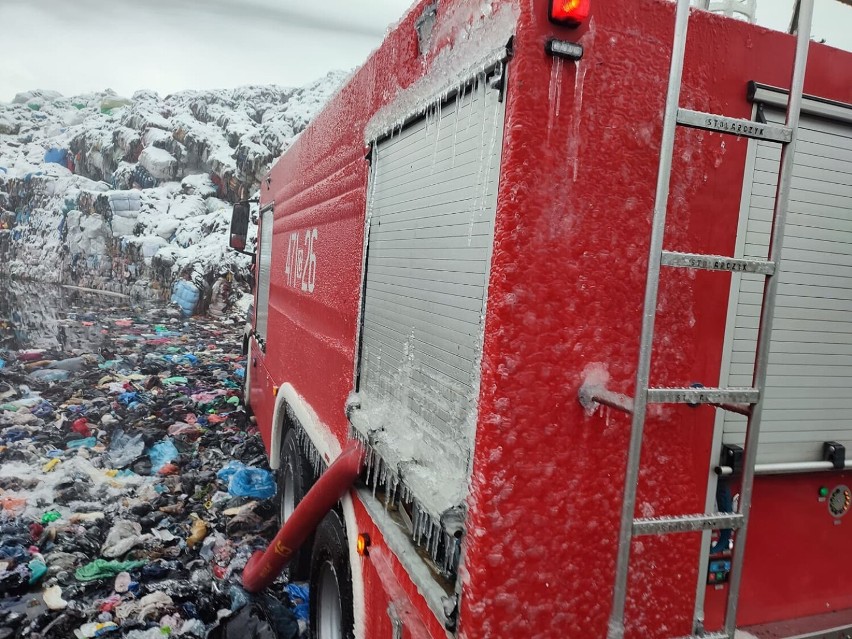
(133, 194)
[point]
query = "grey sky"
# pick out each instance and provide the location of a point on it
(74, 46)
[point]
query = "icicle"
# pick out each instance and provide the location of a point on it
(559, 63)
(456, 118)
(369, 464)
(375, 476)
(416, 522)
(552, 90)
(475, 203)
(389, 494)
(439, 119)
(473, 91)
(487, 161)
(579, 78)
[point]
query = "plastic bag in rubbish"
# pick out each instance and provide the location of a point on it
(161, 454)
(38, 569)
(299, 595)
(252, 482)
(50, 375)
(101, 569)
(228, 470)
(124, 449)
(86, 442)
(263, 618)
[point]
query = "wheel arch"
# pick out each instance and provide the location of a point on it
(292, 411)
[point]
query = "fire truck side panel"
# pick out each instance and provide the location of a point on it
(565, 297)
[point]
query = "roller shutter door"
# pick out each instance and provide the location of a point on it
(431, 222)
(808, 396)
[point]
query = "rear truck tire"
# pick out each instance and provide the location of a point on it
(294, 478)
(332, 615)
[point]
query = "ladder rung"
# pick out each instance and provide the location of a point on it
(702, 395)
(734, 126)
(717, 263)
(686, 523)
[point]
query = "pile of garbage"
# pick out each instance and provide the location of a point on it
(134, 485)
(127, 194)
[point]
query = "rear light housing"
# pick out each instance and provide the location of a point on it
(569, 13)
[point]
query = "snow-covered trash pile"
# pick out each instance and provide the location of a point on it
(131, 194)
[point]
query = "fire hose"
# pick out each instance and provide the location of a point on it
(264, 566)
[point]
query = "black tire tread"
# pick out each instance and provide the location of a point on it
(330, 545)
(299, 568)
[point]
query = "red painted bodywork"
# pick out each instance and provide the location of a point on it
(565, 293)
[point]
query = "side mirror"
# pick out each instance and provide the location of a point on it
(239, 226)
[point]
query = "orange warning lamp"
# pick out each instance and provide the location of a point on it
(569, 13)
(362, 543)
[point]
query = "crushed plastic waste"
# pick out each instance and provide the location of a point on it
(132, 494)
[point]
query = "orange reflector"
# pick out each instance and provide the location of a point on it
(275, 391)
(569, 12)
(362, 544)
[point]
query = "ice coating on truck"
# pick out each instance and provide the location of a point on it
(473, 39)
(574, 191)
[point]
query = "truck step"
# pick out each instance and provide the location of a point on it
(708, 635)
(703, 395)
(716, 263)
(734, 126)
(686, 523)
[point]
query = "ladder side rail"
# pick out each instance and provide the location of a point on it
(782, 197)
(619, 597)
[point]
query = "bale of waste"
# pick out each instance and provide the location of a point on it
(186, 295)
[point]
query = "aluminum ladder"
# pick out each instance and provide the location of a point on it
(743, 400)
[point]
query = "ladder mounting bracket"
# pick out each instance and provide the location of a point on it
(592, 395)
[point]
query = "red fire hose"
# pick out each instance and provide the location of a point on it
(264, 566)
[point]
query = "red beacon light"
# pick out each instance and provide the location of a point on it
(570, 13)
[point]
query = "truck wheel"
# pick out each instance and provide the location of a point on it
(294, 481)
(331, 582)
(247, 384)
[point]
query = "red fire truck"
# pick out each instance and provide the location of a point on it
(451, 266)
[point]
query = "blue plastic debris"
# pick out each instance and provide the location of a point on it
(162, 453)
(299, 595)
(252, 482)
(185, 294)
(86, 442)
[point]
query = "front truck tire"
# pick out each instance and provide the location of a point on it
(294, 478)
(332, 614)
(247, 383)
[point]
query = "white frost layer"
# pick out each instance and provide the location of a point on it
(479, 37)
(409, 450)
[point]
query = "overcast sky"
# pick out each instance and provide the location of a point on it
(74, 46)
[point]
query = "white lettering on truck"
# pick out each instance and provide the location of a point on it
(300, 267)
